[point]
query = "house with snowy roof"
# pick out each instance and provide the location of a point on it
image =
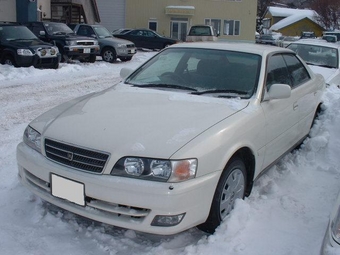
(291, 22)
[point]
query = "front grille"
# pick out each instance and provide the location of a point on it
(130, 45)
(79, 158)
(85, 43)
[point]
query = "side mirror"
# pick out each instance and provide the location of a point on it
(278, 91)
(125, 72)
(42, 33)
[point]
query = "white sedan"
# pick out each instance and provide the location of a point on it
(178, 141)
(323, 57)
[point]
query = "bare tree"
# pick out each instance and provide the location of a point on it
(329, 13)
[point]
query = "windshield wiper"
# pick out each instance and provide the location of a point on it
(320, 65)
(161, 85)
(220, 91)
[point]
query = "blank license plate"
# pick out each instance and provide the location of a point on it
(68, 189)
(87, 50)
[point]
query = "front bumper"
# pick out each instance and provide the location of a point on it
(126, 52)
(119, 201)
(38, 62)
(81, 51)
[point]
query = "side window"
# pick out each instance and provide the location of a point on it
(296, 69)
(137, 32)
(277, 71)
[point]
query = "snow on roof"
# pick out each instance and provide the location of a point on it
(180, 7)
(292, 16)
(286, 12)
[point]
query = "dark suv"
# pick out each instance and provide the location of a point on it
(21, 48)
(70, 45)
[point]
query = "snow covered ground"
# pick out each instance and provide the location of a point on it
(286, 214)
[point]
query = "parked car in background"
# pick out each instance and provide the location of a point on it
(201, 33)
(330, 38)
(70, 45)
(307, 35)
(321, 56)
(287, 40)
(111, 47)
(331, 241)
(266, 39)
(146, 38)
(336, 33)
(196, 154)
(21, 48)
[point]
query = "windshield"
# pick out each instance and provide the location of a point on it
(201, 71)
(57, 28)
(316, 55)
(102, 32)
(11, 33)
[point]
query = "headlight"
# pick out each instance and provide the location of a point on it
(32, 138)
(54, 50)
(156, 169)
(71, 43)
(95, 42)
(121, 45)
(24, 52)
(335, 226)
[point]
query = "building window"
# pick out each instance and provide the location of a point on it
(232, 27)
(215, 23)
(153, 25)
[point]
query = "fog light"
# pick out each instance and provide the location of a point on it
(167, 220)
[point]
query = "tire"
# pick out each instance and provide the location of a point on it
(109, 55)
(231, 186)
(9, 60)
(166, 45)
(64, 57)
(124, 59)
(92, 58)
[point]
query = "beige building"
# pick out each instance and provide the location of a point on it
(233, 19)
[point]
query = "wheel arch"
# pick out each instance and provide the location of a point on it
(247, 156)
(7, 52)
(107, 47)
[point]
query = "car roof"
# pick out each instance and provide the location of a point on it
(235, 46)
(318, 42)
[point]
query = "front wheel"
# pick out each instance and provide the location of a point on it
(109, 55)
(230, 187)
(9, 60)
(92, 58)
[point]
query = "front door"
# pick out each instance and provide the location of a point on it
(179, 30)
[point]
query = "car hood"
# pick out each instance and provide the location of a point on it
(125, 120)
(29, 43)
(113, 41)
(328, 73)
